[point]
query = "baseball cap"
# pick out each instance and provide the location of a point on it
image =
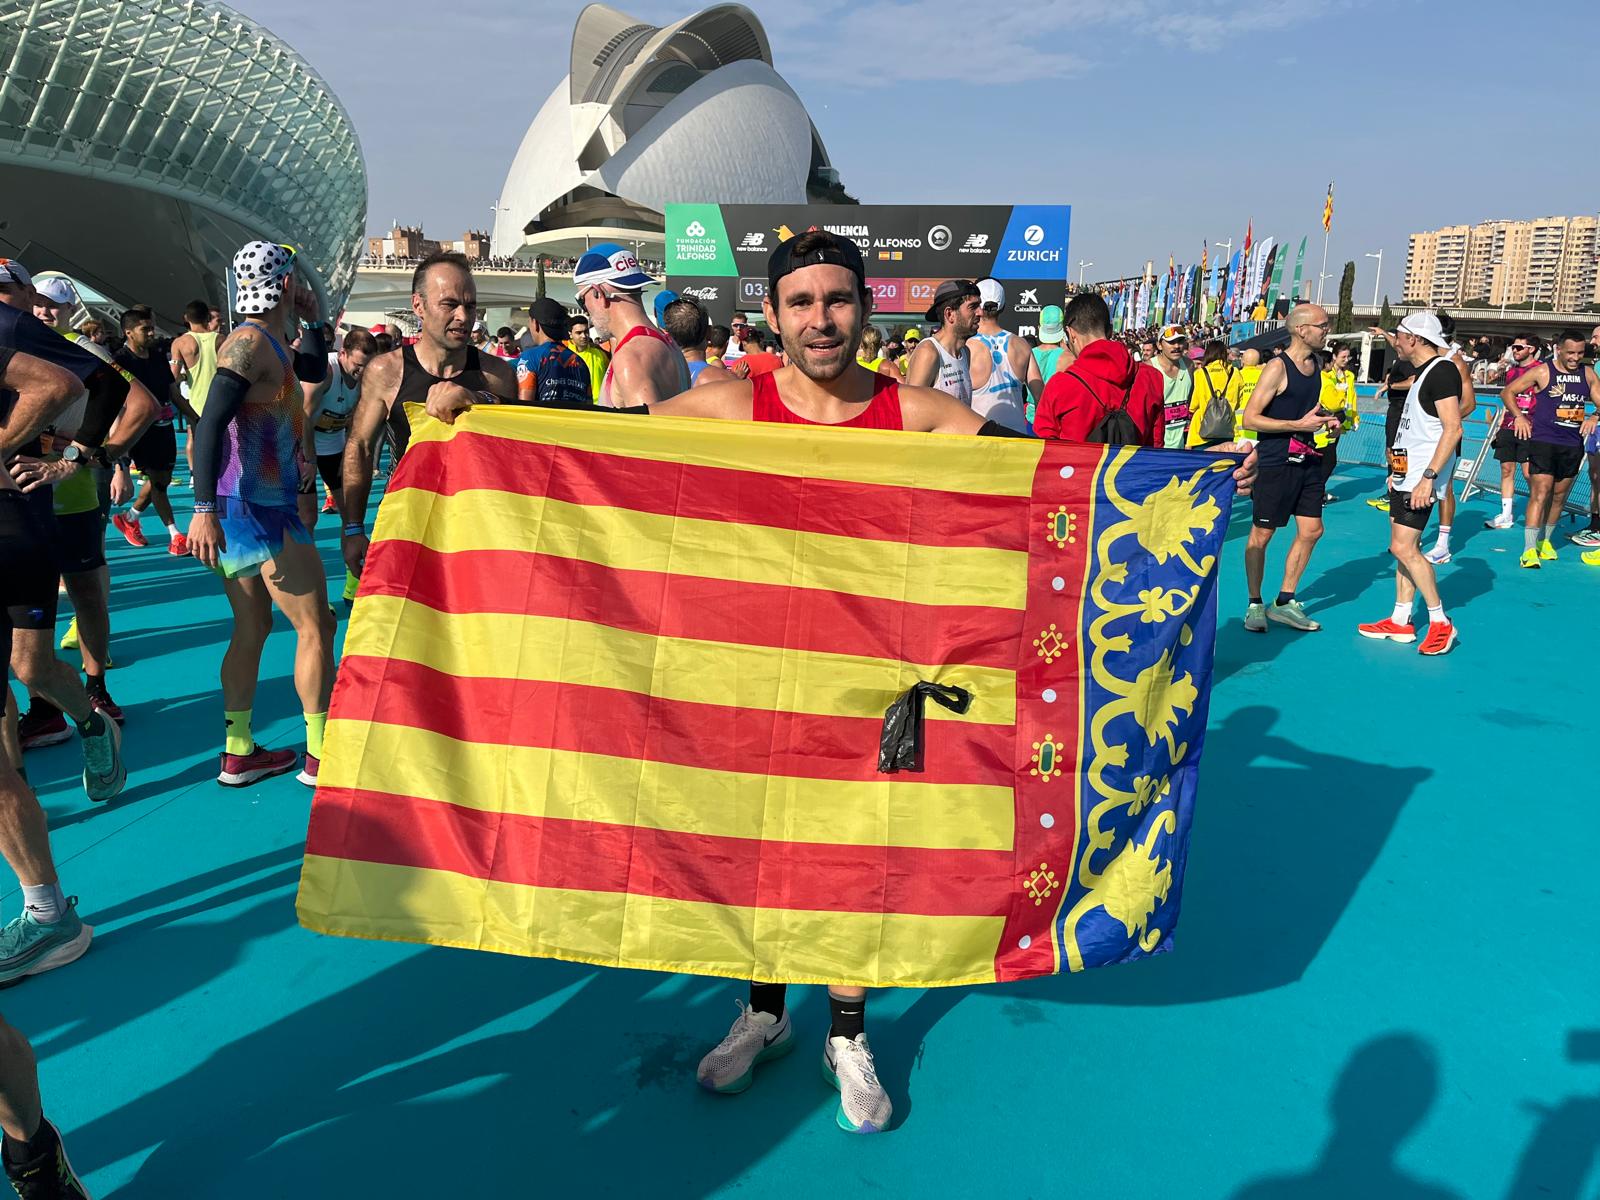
(1052, 324)
(612, 264)
(551, 318)
(1425, 325)
(58, 290)
(380, 327)
(258, 271)
(990, 292)
(824, 247)
(11, 271)
(951, 291)
(663, 298)
(1173, 333)
(913, 335)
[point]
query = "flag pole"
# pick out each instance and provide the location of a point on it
(1323, 274)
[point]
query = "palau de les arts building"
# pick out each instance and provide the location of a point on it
(649, 116)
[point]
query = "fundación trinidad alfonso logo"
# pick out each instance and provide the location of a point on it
(698, 230)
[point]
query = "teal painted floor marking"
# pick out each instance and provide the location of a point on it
(1384, 981)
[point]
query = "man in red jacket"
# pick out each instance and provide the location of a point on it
(1104, 377)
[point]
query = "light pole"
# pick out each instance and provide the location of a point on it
(1376, 279)
(1496, 262)
(1322, 278)
(1081, 266)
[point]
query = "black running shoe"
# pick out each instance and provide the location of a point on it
(47, 1177)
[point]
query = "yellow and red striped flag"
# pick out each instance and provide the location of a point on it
(614, 687)
(1327, 211)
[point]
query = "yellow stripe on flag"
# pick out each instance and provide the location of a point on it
(659, 935)
(640, 541)
(571, 785)
(558, 650)
(946, 462)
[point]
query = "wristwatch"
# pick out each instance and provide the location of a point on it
(1430, 473)
(75, 454)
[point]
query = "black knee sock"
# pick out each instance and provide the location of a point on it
(40, 1144)
(768, 997)
(849, 1017)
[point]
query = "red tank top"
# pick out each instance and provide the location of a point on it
(642, 331)
(882, 413)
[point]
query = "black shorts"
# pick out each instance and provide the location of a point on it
(1292, 490)
(1401, 512)
(156, 450)
(27, 564)
(80, 542)
(1553, 458)
(1509, 448)
(331, 468)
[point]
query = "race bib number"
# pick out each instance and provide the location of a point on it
(1569, 414)
(331, 422)
(1399, 463)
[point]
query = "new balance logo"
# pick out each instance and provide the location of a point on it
(753, 241)
(976, 241)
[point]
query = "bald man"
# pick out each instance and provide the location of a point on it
(1284, 413)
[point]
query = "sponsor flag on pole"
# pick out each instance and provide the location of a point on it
(1299, 264)
(614, 692)
(1327, 210)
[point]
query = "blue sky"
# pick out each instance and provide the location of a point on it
(1161, 123)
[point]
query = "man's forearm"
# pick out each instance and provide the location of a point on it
(356, 475)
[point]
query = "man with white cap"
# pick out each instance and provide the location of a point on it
(646, 367)
(1005, 380)
(1424, 442)
(249, 471)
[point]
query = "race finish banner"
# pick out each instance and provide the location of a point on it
(717, 253)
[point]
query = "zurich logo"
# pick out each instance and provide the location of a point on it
(698, 230)
(1033, 234)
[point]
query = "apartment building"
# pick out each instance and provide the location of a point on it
(1550, 261)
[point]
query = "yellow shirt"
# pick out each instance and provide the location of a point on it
(596, 360)
(1339, 396)
(1214, 379)
(1244, 384)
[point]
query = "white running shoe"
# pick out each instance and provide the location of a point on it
(756, 1037)
(1503, 521)
(863, 1104)
(1438, 556)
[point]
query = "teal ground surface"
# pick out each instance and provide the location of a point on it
(1384, 983)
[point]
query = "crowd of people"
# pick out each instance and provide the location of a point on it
(288, 415)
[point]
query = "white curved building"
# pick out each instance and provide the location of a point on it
(142, 142)
(650, 116)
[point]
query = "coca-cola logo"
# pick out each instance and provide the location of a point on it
(703, 294)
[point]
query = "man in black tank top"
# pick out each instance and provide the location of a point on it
(443, 363)
(1285, 413)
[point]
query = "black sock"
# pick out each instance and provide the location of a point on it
(1255, 599)
(40, 1144)
(768, 997)
(1594, 521)
(1284, 598)
(93, 727)
(849, 1017)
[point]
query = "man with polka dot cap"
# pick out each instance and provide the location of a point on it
(249, 469)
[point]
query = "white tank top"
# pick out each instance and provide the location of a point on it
(333, 414)
(955, 372)
(1418, 435)
(1003, 398)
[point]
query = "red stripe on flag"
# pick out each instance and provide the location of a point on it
(587, 856)
(922, 516)
(689, 606)
(621, 724)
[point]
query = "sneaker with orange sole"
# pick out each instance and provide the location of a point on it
(1441, 638)
(1388, 630)
(178, 547)
(128, 526)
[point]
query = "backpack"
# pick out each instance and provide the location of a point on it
(1115, 427)
(1216, 423)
